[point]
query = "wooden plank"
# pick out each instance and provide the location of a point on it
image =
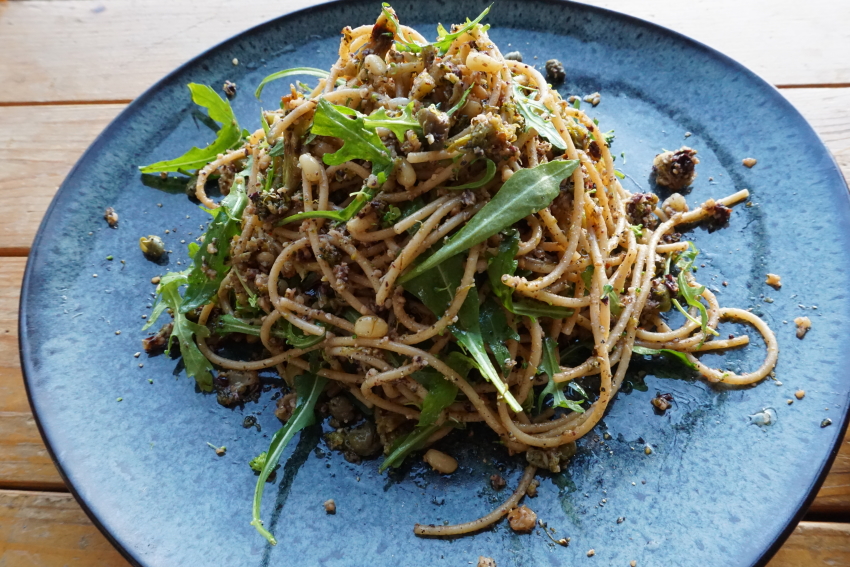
(84, 50)
(29, 179)
(815, 544)
(38, 147)
(50, 530)
(24, 461)
(826, 110)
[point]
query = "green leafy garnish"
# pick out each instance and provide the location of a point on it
(495, 331)
(228, 136)
(445, 39)
(609, 138)
(460, 104)
(258, 462)
(391, 216)
(691, 294)
(402, 44)
(210, 260)
(399, 125)
(680, 356)
(613, 299)
(441, 394)
(298, 339)
(551, 366)
(308, 388)
(197, 365)
(436, 288)
(488, 176)
(504, 263)
(288, 73)
(359, 141)
(535, 114)
(407, 444)
(526, 192)
(229, 324)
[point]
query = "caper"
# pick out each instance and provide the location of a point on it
(152, 247)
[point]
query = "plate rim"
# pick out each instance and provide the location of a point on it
(28, 371)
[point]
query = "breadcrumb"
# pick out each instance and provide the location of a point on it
(774, 280)
(800, 394)
(749, 162)
(486, 561)
(522, 519)
(803, 326)
(330, 506)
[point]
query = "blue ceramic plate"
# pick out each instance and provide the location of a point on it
(716, 490)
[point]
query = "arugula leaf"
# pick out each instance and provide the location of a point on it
(404, 44)
(362, 197)
(526, 192)
(391, 216)
(495, 331)
(359, 141)
(399, 125)
(609, 138)
(613, 299)
(446, 39)
(228, 135)
(436, 288)
(441, 394)
(227, 323)
(298, 339)
(489, 174)
(533, 111)
(504, 263)
(551, 367)
(291, 334)
(197, 365)
(308, 388)
(460, 104)
(210, 260)
(406, 445)
(691, 294)
(680, 356)
(686, 259)
(288, 73)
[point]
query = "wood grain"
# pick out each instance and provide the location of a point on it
(43, 529)
(29, 179)
(84, 50)
(38, 147)
(815, 544)
(50, 530)
(24, 461)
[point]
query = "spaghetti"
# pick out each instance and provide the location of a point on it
(361, 196)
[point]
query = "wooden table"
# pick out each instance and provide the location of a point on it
(67, 67)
